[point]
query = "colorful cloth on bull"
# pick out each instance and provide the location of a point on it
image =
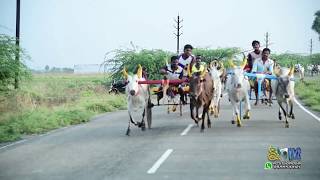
(263, 67)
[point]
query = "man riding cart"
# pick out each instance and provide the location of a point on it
(263, 65)
(171, 71)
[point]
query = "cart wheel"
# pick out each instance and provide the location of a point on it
(180, 105)
(149, 114)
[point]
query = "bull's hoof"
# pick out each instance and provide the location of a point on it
(280, 118)
(143, 126)
(238, 125)
(196, 122)
(287, 125)
(128, 132)
(174, 108)
(209, 125)
(292, 116)
(246, 117)
(151, 105)
(139, 124)
(216, 115)
(202, 130)
(232, 121)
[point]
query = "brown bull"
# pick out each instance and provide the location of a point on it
(201, 94)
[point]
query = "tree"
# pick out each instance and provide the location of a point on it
(153, 60)
(10, 69)
(316, 23)
(47, 68)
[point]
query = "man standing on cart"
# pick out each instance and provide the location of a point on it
(186, 57)
(252, 56)
(263, 65)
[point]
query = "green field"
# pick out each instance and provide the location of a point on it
(47, 102)
(309, 92)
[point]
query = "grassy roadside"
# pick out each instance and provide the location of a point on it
(48, 102)
(309, 92)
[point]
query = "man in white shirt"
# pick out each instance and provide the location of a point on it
(263, 65)
(173, 71)
(186, 57)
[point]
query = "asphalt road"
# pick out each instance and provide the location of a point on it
(99, 150)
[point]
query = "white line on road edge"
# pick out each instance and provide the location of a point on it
(307, 111)
(18, 142)
(186, 130)
(156, 165)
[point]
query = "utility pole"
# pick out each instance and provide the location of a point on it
(310, 46)
(267, 39)
(16, 82)
(178, 34)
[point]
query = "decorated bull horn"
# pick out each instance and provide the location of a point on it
(231, 63)
(125, 73)
(203, 72)
(189, 70)
(291, 71)
(139, 71)
(244, 63)
(221, 64)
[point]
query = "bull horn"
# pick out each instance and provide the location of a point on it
(139, 71)
(231, 64)
(244, 63)
(125, 73)
(291, 71)
(203, 72)
(221, 64)
(189, 70)
(276, 71)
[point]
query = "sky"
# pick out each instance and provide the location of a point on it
(63, 33)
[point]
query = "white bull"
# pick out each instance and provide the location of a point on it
(216, 71)
(283, 87)
(300, 69)
(237, 87)
(138, 96)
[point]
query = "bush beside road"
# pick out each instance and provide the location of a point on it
(48, 102)
(308, 92)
